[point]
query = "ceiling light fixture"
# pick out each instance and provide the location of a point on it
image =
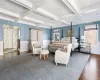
(34, 20)
(91, 10)
(47, 13)
(24, 3)
(9, 13)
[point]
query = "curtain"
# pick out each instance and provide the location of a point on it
(91, 36)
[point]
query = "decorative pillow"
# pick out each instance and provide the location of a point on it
(63, 49)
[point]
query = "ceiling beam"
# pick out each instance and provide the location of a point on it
(29, 7)
(72, 6)
(7, 12)
(65, 22)
(22, 16)
(23, 3)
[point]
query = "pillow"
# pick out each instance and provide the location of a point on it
(63, 49)
(36, 45)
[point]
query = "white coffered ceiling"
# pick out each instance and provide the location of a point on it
(49, 13)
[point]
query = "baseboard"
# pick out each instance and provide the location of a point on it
(26, 52)
(30, 51)
(94, 54)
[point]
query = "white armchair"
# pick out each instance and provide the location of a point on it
(36, 48)
(63, 57)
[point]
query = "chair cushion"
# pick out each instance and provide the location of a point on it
(37, 45)
(44, 52)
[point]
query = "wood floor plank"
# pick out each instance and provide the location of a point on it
(92, 69)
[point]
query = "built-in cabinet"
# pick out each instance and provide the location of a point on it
(36, 36)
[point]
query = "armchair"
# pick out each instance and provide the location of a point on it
(63, 57)
(36, 48)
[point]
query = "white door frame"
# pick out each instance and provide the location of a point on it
(8, 26)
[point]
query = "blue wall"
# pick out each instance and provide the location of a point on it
(24, 30)
(76, 28)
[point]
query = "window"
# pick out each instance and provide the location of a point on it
(91, 34)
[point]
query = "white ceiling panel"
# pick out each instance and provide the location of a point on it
(7, 4)
(56, 7)
(34, 15)
(53, 13)
(91, 16)
(37, 3)
(86, 3)
(72, 18)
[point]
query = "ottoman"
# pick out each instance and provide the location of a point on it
(44, 54)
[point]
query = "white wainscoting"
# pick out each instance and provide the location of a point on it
(96, 49)
(1, 48)
(24, 46)
(46, 43)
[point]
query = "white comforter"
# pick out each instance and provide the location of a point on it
(74, 46)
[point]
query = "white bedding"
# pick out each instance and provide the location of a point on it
(75, 43)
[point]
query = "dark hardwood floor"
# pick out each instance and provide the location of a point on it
(92, 69)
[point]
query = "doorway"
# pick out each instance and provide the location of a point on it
(11, 36)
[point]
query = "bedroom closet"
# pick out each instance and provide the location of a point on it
(11, 38)
(36, 37)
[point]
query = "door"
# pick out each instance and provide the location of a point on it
(40, 37)
(5, 38)
(33, 35)
(15, 37)
(8, 37)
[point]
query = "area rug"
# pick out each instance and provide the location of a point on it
(28, 67)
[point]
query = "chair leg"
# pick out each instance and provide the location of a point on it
(47, 55)
(40, 56)
(71, 53)
(44, 57)
(56, 63)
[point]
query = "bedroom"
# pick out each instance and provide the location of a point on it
(46, 22)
